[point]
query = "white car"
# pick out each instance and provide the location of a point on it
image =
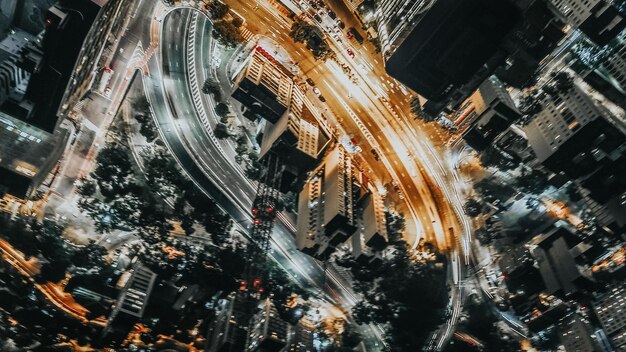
(316, 91)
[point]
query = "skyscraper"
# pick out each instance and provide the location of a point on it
(268, 332)
(452, 47)
(598, 19)
(610, 308)
(396, 19)
(32, 84)
(573, 136)
(326, 205)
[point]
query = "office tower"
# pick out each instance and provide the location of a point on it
(371, 235)
(556, 253)
(610, 308)
(268, 332)
(487, 113)
(449, 47)
(95, 54)
(265, 88)
(326, 205)
(396, 19)
(452, 49)
(33, 81)
(228, 331)
(615, 65)
(301, 337)
(598, 19)
(573, 136)
(576, 334)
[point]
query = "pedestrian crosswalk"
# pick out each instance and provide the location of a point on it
(282, 9)
(246, 34)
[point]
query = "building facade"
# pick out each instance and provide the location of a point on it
(267, 332)
(485, 114)
(598, 19)
(610, 309)
(574, 137)
(326, 205)
(576, 334)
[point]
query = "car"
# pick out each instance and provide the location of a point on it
(310, 82)
(332, 14)
(350, 53)
(340, 24)
(349, 35)
(375, 153)
(322, 99)
(317, 18)
(316, 91)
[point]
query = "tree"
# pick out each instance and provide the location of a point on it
(237, 22)
(149, 132)
(90, 256)
(303, 32)
(211, 87)
(418, 113)
(141, 105)
(396, 225)
(473, 207)
(494, 157)
(112, 170)
(560, 83)
(222, 109)
(87, 188)
(221, 131)
(529, 104)
(406, 296)
(532, 181)
(300, 31)
(218, 10)
(227, 34)
(573, 193)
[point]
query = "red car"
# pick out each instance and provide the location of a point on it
(351, 53)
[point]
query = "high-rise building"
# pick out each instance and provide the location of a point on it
(610, 308)
(576, 334)
(265, 88)
(556, 252)
(228, 331)
(292, 130)
(268, 332)
(298, 142)
(396, 19)
(573, 136)
(485, 114)
(598, 19)
(32, 83)
(301, 337)
(326, 205)
(454, 46)
(95, 53)
(445, 49)
(371, 235)
(616, 65)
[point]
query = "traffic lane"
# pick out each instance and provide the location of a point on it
(385, 146)
(312, 266)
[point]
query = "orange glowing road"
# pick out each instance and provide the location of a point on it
(52, 292)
